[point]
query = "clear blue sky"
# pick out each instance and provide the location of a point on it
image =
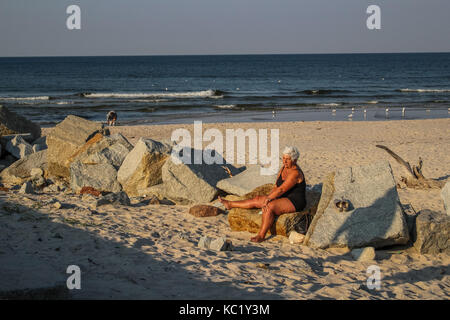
(159, 27)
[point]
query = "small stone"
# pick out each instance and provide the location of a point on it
(155, 235)
(295, 237)
(27, 188)
(364, 254)
(57, 205)
(205, 211)
(219, 244)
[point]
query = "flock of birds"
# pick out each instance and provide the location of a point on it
(350, 116)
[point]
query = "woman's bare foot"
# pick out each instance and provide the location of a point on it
(226, 203)
(257, 238)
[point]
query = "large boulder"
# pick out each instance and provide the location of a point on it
(96, 164)
(110, 149)
(68, 139)
(374, 218)
(12, 123)
(194, 182)
(20, 171)
(445, 194)
(246, 181)
(18, 147)
(101, 176)
(142, 167)
(250, 219)
(431, 233)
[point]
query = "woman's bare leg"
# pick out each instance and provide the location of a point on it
(275, 207)
(256, 202)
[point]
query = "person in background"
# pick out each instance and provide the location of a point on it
(111, 118)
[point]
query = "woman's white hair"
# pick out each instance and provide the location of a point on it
(292, 152)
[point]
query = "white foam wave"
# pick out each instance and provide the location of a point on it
(424, 90)
(194, 94)
(149, 100)
(372, 102)
(64, 102)
(226, 106)
(25, 98)
(330, 104)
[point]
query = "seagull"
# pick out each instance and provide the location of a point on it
(350, 116)
(387, 112)
(353, 110)
(428, 110)
(403, 111)
(333, 112)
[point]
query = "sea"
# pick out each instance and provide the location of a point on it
(228, 88)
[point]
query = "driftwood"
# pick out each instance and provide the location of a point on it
(415, 177)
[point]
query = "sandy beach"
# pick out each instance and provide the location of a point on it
(146, 251)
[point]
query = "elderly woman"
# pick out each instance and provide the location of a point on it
(287, 196)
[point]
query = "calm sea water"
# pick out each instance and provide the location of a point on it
(171, 89)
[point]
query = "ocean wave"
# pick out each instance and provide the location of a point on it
(194, 94)
(226, 106)
(422, 90)
(323, 91)
(64, 102)
(149, 100)
(372, 102)
(25, 98)
(330, 104)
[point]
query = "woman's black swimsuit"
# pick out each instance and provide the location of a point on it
(297, 194)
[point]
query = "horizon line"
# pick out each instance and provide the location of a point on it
(221, 54)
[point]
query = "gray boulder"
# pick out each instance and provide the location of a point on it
(374, 218)
(432, 233)
(246, 181)
(118, 198)
(12, 123)
(68, 139)
(101, 176)
(20, 171)
(445, 194)
(142, 166)
(194, 182)
(18, 147)
(97, 165)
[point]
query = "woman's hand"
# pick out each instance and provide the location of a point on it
(266, 201)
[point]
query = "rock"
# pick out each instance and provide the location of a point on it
(250, 219)
(194, 182)
(205, 211)
(27, 188)
(295, 237)
(57, 205)
(91, 191)
(142, 166)
(20, 171)
(432, 233)
(375, 217)
(364, 254)
(110, 149)
(36, 172)
(12, 123)
(68, 139)
(102, 177)
(40, 144)
(445, 194)
(119, 198)
(96, 164)
(219, 244)
(246, 181)
(38, 182)
(18, 147)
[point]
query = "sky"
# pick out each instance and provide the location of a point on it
(185, 27)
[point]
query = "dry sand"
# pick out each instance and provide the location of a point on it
(150, 251)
